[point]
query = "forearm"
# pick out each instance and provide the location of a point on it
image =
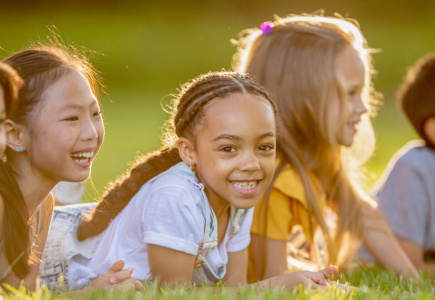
(381, 242)
(74, 294)
(427, 267)
(235, 288)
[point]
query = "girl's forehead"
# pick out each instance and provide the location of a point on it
(351, 65)
(239, 111)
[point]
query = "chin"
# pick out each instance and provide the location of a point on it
(244, 203)
(347, 142)
(77, 177)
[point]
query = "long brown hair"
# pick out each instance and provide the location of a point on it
(296, 63)
(40, 66)
(11, 82)
(188, 108)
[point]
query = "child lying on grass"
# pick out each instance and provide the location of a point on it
(183, 214)
(406, 192)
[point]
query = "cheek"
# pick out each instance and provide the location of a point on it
(52, 142)
(101, 132)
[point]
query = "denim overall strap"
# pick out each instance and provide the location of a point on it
(236, 215)
(62, 243)
(210, 227)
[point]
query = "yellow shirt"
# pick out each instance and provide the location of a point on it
(286, 207)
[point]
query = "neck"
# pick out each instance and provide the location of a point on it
(219, 205)
(33, 185)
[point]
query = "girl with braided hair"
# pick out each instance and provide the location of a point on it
(183, 214)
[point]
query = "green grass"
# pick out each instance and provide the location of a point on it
(374, 283)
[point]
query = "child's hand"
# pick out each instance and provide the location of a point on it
(117, 278)
(315, 279)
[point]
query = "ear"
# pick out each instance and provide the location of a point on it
(187, 151)
(429, 129)
(15, 135)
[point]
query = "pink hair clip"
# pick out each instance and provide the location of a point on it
(266, 27)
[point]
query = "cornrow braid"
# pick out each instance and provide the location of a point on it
(188, 108)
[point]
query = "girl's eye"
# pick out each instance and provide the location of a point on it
(228, 149)
(98, 113)
(74, 118)
(265, 148)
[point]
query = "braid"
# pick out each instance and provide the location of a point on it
(187, 111)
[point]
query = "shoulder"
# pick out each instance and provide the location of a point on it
(289, 184)
(413, 156)
(177, 186)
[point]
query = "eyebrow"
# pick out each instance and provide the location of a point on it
(226, 136)
(75, 106)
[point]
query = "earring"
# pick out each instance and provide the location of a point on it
(192, 168)
(19, 149)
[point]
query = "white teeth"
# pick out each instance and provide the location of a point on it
(245, 185)
(84, 154)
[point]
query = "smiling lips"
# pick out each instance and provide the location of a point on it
(354, 125)
(82, 157)
(246, 188)
(246, 185)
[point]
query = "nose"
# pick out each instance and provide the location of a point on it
(249, 163)
(360, 106)
(89, 131)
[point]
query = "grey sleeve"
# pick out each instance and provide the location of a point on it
(403, 200)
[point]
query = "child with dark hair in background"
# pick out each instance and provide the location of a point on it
(406, 191)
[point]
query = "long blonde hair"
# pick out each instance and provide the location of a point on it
(296, 63)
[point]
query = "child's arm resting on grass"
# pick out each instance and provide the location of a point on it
(169, 266)
(382, 243)
(114, 279)
(415, 253)
(274, 261)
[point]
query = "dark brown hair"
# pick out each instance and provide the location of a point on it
(42, 65)
(188, 109)
(416, 96)
(11, 82)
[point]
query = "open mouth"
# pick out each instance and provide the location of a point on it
(247, 188)
(246, 185)
(82, 157)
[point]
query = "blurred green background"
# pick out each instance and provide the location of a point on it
(150, 47)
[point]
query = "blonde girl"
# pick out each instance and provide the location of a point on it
(318, 70)
(183, 214)
(56, 118)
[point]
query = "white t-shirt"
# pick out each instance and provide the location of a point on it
(168, 212)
